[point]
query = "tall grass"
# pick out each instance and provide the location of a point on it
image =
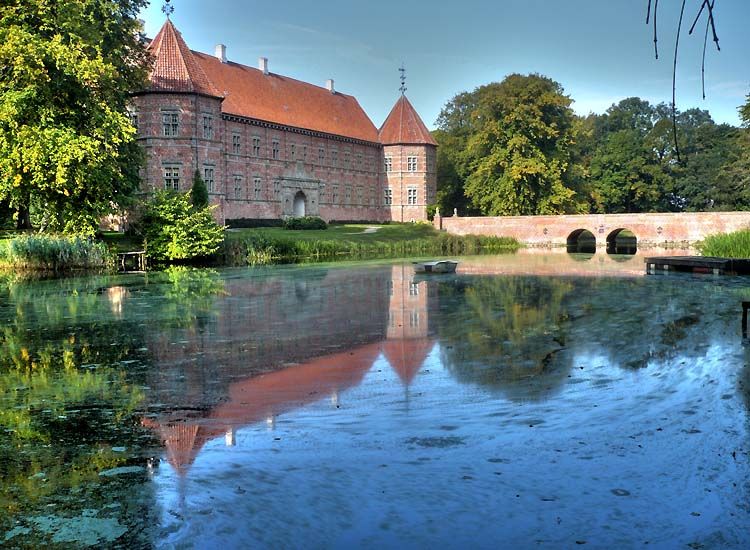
(260, 249)
(727, 245)
(54, 252)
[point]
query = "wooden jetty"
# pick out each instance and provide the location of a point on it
(132, 262)
(698, 264)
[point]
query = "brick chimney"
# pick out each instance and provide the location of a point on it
(221, 53)
(329, 86)
(263, 64)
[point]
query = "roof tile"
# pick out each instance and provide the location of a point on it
(404, 126)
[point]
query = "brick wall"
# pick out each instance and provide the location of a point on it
(649, 229)
(259, 168)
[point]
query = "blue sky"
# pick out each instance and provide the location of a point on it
(600, 50)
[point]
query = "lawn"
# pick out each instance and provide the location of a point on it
(354, 233)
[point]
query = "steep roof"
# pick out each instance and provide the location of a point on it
(404, 126)
(250, 93)
(407, 356)
(175, 68)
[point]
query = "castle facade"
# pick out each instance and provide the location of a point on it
(269, 146)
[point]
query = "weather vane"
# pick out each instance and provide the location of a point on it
(167, 8)
(403, 88)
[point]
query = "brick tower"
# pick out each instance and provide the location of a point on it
(410, 154)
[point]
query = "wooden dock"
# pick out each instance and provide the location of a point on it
(697, 264)
(132, 262)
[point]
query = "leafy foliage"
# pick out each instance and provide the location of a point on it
(66, 143)
(173, 229)
(305, 223)
(728, 245)
(199, 191)
(54, 252)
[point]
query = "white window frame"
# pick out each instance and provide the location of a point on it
(236, 144)
(388, 164)
(208, 126)
(209, 178)
(256, 146)
(237, 186)
(388, 196)
(171, 174)
(412, 164)
(411, 196)
(170, 121)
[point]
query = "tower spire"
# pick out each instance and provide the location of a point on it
(167, 8)
(403, 87)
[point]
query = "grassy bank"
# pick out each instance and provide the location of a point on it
(727, 245)
(352, 242)
(53, 252)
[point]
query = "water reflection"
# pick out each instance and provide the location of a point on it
(367, 406)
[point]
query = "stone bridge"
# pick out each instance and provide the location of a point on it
(684, 228)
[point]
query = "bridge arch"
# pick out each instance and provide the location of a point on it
(581, 241)
(622, 241)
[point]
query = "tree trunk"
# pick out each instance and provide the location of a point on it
(24, 218)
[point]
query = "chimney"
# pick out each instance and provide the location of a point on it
(263, 64)
(221, 53)
(329, 86)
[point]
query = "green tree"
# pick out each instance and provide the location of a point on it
(173, 229)
(519, 135)
(66, 142)
(199, 191)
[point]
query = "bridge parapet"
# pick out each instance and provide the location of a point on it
(649, 229)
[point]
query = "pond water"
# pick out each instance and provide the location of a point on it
(528, 400)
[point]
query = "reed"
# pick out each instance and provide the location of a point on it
(54, 252)
(262, 249)
(727, 245)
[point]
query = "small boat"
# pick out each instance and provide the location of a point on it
(437, 266)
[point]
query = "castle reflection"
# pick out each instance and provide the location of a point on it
(280, 344)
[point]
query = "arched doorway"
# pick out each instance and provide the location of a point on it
(581, 241)
(300, 204)
(622, 241)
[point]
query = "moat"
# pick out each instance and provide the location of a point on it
(534, 399)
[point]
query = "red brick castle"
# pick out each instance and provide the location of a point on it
(269, 146)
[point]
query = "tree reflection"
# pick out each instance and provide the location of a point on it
(506, 332)
(68, 399)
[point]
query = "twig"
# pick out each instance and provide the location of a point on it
(674, 82)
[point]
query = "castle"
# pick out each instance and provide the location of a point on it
(270, 147)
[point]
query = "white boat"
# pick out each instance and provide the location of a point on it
(437, 266)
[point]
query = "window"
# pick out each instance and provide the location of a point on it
(208, 178)
(388, 164)
(293, 151)
(335, 194)
(237, 187)
(346, 159)
(388, 197)
(359, 160)
(133, 119)
(304, 153)
(236, 144)
(321, 156)
(275, 149)
(347, 195)
(277, 190)
(256, 146)
(208, 127)
(360, 196)
(413, 289)
(411, 195)
(414, 319)
(257, 188)
(172, 177)
(411, 164)
(322, 193)
(334, 157)
(171, 123)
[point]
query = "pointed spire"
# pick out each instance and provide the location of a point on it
(175, 68)
(404, 126)
(167, 9)
(403, 87)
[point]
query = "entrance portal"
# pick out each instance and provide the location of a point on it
(299, 204)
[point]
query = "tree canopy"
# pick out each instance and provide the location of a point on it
(516, 147)
(66, 143)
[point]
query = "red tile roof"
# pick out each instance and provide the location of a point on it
(247, 92)
(175, 69)
(407, 356)
(404, 126)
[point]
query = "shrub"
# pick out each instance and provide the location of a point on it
(253, 223)
(55, 252)
(306, 222)
(173, 229)
(199, 192)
